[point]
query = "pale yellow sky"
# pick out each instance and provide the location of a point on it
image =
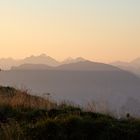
(98, 30)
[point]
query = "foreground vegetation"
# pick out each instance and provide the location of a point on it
(26, 117)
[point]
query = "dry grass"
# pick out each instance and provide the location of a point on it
(11, 131)
(22, 99)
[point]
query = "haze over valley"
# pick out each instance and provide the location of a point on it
(77, 80)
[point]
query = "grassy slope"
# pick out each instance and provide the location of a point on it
(26, 117)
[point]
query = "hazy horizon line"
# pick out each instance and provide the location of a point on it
(67, 58)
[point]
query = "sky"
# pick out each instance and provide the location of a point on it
(99, 30)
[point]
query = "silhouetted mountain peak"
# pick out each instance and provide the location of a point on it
(43, 55)
(80, 59)
(41, 59)
(73, 60)
(136, 61)
(36, 57)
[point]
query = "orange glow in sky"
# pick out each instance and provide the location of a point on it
(101, 30)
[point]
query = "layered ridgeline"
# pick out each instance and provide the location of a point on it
(133, 66)
(7, 63)
(107, 87)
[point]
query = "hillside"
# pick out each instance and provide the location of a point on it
(26, 117)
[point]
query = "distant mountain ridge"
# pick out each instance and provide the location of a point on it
(133, 66)
(8, 63)
(32, 67)
(136, 61)
(41, 59)
(72, 60)
(77, 66)
(44, 61)
(87, 66)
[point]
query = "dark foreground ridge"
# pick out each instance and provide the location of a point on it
(26, 117)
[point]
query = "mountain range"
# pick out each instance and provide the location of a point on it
(133, 66)
(44, 61)
(77, 66)
(8, 63)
